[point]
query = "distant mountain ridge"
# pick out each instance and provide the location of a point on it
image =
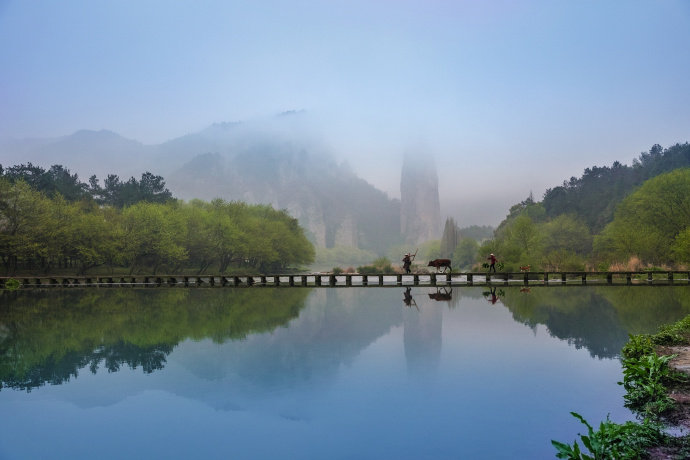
(279, 162)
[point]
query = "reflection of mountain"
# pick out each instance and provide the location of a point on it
(260, 340)
(422, 338)
(48, 336)
(330, 332)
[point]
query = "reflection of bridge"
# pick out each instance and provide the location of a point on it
(353, 279)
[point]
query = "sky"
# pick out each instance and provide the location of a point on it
(507, 97)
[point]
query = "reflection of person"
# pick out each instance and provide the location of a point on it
(494, 297)
(408, 300)
(492, 259)
(407, 262)
(408, 297)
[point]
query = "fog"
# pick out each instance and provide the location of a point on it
(507, 97)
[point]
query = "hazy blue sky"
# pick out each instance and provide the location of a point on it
(507, 96)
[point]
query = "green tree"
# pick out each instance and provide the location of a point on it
(153, 235)
(465, 254)
(650, 222)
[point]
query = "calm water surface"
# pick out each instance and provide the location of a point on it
(314, 373)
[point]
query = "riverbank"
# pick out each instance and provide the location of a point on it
(678, 416)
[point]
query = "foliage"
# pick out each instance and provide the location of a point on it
(477, 232)
(429, 250)
(59, 181)
(465, 253)
(38, 233)
(380, 265)
(646, 375)
(612, 440)
(12, 284)
(342, 255)
(593, 197)
(644, 380)
(450, 239)
(653, 222)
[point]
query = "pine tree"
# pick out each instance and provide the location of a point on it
(450, 238)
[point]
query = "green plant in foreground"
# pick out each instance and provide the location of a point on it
(644, 380)
(612, 440)
(12, 284)
(638, 346)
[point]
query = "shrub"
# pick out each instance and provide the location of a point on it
(612, 440)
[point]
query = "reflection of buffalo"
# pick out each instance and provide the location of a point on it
(442, 295)
(438, 263)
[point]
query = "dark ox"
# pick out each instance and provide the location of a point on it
(441, 295)
(438, 263)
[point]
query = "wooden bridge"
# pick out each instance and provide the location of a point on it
(353, 279)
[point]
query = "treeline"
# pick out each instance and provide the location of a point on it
(41, 230)
(593, 197)
(60, 181)
(618, 217)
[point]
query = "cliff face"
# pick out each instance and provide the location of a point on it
(420, 209)
(336, 207)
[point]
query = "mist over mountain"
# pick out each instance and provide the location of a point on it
(335, 206)
(281, 161)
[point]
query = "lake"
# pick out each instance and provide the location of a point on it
(298, 372)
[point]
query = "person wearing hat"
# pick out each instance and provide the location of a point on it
(492, 259)
(407, 262)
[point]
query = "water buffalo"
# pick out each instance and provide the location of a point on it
(438, 263)
(440, 295)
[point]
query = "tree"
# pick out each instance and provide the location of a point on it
(465, 253)
(450, 238)
(153, 235)
(651, 222)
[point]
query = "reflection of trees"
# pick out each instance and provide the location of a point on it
(46, 336)
(58, 371)
(598, 318)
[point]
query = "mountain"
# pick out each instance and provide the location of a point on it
(281, 161)
(85, 152)
(335, 206)
(420, 215)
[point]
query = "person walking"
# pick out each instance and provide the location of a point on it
(492, 259)
(407, 262)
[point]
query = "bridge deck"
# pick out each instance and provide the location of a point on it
(352, 279)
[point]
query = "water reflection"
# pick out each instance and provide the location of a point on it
(422, 339)
(49, 336)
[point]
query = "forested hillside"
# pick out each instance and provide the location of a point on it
(50, 221)
(626, 217)
(593, 197)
